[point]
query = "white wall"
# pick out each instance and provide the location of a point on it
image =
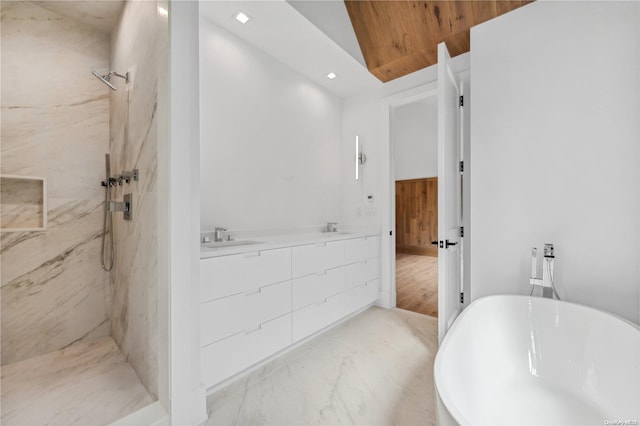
(555, 153)
(187, 393)
(414, 138)
(270, 140)
(363, 118)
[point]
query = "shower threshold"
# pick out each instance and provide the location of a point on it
(84, 384)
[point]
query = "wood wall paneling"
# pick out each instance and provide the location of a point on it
(417, 216)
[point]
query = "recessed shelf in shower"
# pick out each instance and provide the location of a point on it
(23, 203)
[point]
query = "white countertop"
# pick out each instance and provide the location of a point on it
(269, 242)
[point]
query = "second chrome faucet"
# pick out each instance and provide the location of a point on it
(217, 234)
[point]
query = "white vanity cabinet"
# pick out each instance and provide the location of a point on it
(362, 272)
(257, 303)
(319, 257)
(245, 310)
(318, 287)
(226, 275)
(359, 249)
(230, 356)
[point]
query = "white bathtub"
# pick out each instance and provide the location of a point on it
(519, 360)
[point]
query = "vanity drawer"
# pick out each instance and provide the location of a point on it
(317, 287)
(359, 249)
(361, 296)
(362, 272)
(230, 356)
(224, 317)
(310, 319)
(319, 257)
(240, 273)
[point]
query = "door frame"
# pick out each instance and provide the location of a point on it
(388, 218)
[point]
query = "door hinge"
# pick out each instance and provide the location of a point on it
(461, 297)
(461, 231)
(461, 100)
(462, 167)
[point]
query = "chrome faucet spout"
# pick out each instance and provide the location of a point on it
(331, 227)
(217, 234)
(546, 282)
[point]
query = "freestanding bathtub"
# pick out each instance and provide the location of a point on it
(524, 360)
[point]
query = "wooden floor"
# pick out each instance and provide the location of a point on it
(417, 283)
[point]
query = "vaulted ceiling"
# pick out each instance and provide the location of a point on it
(400, 37)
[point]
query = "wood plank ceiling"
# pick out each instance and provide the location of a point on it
(400, 37)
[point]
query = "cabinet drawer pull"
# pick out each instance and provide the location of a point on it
(254, 254)
(251, 293)
(321, 245)
(322, 302)
(321, 273)
(258, 328)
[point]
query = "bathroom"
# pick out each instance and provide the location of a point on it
(497, 260)
(235, 163)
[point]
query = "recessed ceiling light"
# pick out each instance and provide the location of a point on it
(332, 75)
(243, 18)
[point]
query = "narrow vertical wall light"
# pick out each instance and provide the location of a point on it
(162, 11)
(360, 157)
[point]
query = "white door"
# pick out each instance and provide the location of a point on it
(449, 194)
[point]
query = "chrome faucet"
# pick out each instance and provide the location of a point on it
(217, 234)
(546, 282)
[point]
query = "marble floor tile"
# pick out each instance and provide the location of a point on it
(84, 384)
(374, 369)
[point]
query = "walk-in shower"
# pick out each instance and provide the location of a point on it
(106, 78)
(79, 344)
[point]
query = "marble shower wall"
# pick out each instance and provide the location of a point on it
(133, 145)
(54, 124)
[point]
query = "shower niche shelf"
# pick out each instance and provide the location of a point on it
(23, 203)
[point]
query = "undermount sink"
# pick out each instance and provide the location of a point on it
(333, 234)
(232, 243)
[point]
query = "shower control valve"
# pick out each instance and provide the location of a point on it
(109, 182)
(128, 175)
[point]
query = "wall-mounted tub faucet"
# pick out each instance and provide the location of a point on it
(546, 282)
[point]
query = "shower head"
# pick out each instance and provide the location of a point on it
(104, 79)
